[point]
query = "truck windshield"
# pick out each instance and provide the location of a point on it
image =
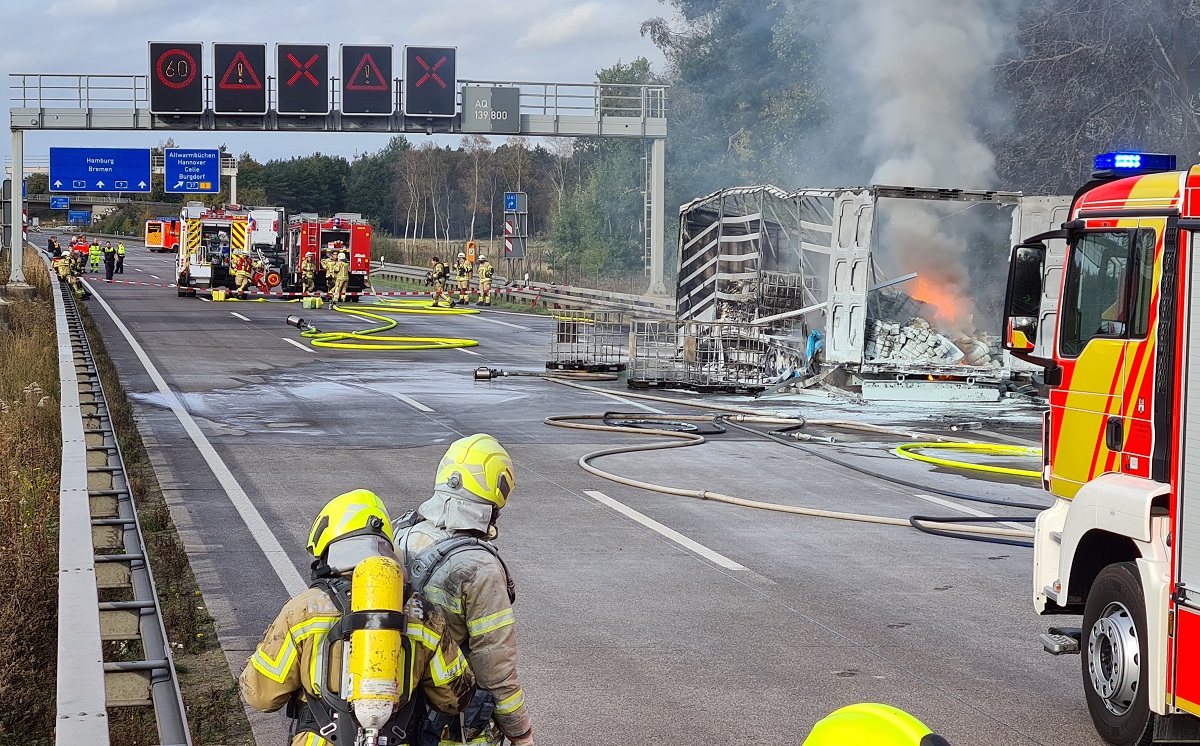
(1100, 278)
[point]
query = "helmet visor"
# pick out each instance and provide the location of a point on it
(345, 553)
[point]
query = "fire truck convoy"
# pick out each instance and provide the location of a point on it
(209, 238)
(1115, 296)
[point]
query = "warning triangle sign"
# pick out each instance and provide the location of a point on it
(240, 76)
(366, 76)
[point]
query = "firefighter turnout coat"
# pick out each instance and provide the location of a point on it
(289, 658)
(472, 588)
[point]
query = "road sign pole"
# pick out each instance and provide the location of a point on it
(658, 195)
(16, 275)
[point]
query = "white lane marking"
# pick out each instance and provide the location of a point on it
(631, 402)
(970, 511)
(270, 546)
(692, 546)
(306, 348)
(412, 402)
(235, 313)
(156, 277)
(138, 269)
(481, 317)
(206, 300)
(469, 352)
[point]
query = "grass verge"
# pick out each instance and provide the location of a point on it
(30, 456)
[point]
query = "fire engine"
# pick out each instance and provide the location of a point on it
(1109, 307)
(209, 237)
(322, 238)
(162, 235)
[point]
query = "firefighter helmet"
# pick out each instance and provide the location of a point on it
(879, 725)
(341, 256)
(462, 255)
(350, 527)
(478, 468)
(482, 258)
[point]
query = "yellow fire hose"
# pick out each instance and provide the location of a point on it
(913, 451)
(372, 339)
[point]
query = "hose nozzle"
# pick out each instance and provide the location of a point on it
(484, 373)
(299, 323)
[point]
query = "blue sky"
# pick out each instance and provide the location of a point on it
(562, 41)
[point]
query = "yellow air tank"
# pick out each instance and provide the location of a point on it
(377, 653)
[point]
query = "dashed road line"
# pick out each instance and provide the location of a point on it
(469, 352)
(306, 348)
(156, 277)
(481, 317)
(970, 511)
(235, 313)
(412, 402)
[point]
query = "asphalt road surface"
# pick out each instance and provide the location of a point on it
(748, 635)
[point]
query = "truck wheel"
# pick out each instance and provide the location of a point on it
(1114, 657)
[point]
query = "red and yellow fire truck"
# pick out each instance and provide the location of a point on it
(162, 235)
(209, 239)
(322, 238)
(1115, 297)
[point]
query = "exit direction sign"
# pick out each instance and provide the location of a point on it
(60, 203)
(99, 169)
(188, 170)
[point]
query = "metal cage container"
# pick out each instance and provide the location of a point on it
(705, 356)
(595, 341)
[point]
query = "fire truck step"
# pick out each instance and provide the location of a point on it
(1062, 640)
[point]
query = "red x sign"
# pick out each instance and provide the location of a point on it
(431, 72)
(302, 69)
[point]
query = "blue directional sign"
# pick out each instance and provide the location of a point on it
(99, 170)
(79, 217)
(510, 201)
(189, 170)
(60, 203)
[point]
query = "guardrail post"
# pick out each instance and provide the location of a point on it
(658, 189)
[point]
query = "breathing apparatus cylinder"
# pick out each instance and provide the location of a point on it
(376, 652)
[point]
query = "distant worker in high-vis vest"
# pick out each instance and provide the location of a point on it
(121, 257)
(486, 270)
(95, 254)
(462, 276)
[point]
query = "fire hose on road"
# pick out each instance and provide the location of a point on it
(372, 338)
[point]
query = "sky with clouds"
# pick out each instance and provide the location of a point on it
(562, 41)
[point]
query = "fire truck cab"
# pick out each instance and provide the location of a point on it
(1109, 306)
(325, 238)
(209, 237)
(162, 235)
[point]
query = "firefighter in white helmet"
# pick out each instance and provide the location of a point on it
(462, 276)
(486, 271)
(299, 661)
(308, 274)
(446, 545)
(340, 272)
(243, 271)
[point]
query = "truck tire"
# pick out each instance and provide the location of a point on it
(1114, 657)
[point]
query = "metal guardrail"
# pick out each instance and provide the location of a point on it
(101, 549)
(544, 292)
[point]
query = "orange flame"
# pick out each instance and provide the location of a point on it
(949, 308)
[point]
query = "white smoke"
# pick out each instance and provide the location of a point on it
(922, 65)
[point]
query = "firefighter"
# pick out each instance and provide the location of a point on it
(242, 272)
(95, 253)
(327, 268)
(351, 531)
(53, 247)
(446, 547)
(308, 274)
(486, 270)
(121, 257)
(110, 260)
(438, 277)
(341, 278)
(462, 275)
(62, 266)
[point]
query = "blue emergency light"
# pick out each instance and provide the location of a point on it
(1135, 162)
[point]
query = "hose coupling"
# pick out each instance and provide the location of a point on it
(484, 373)
(300, 323)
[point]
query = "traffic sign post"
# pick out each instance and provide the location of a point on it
(99, 169)
(491, 109)
(240, 73)
(516, 224)
(60, 203)
(302, 87)
(192, 170)
(176, 81)
(430, 81)
(367, 79)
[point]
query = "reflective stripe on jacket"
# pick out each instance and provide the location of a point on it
(290, 658)
(471, 588)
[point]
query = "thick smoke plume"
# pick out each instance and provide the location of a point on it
(922, 65)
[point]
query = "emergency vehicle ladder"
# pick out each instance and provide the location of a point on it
(312, 235)
(101, 549)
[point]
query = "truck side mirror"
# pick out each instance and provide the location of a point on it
(1023, 300)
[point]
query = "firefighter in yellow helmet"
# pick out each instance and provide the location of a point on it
(243, 271)
(437, 276)
(340, 271)
(875, 724)
(462, 276)
(447, 548)
(299, 661)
